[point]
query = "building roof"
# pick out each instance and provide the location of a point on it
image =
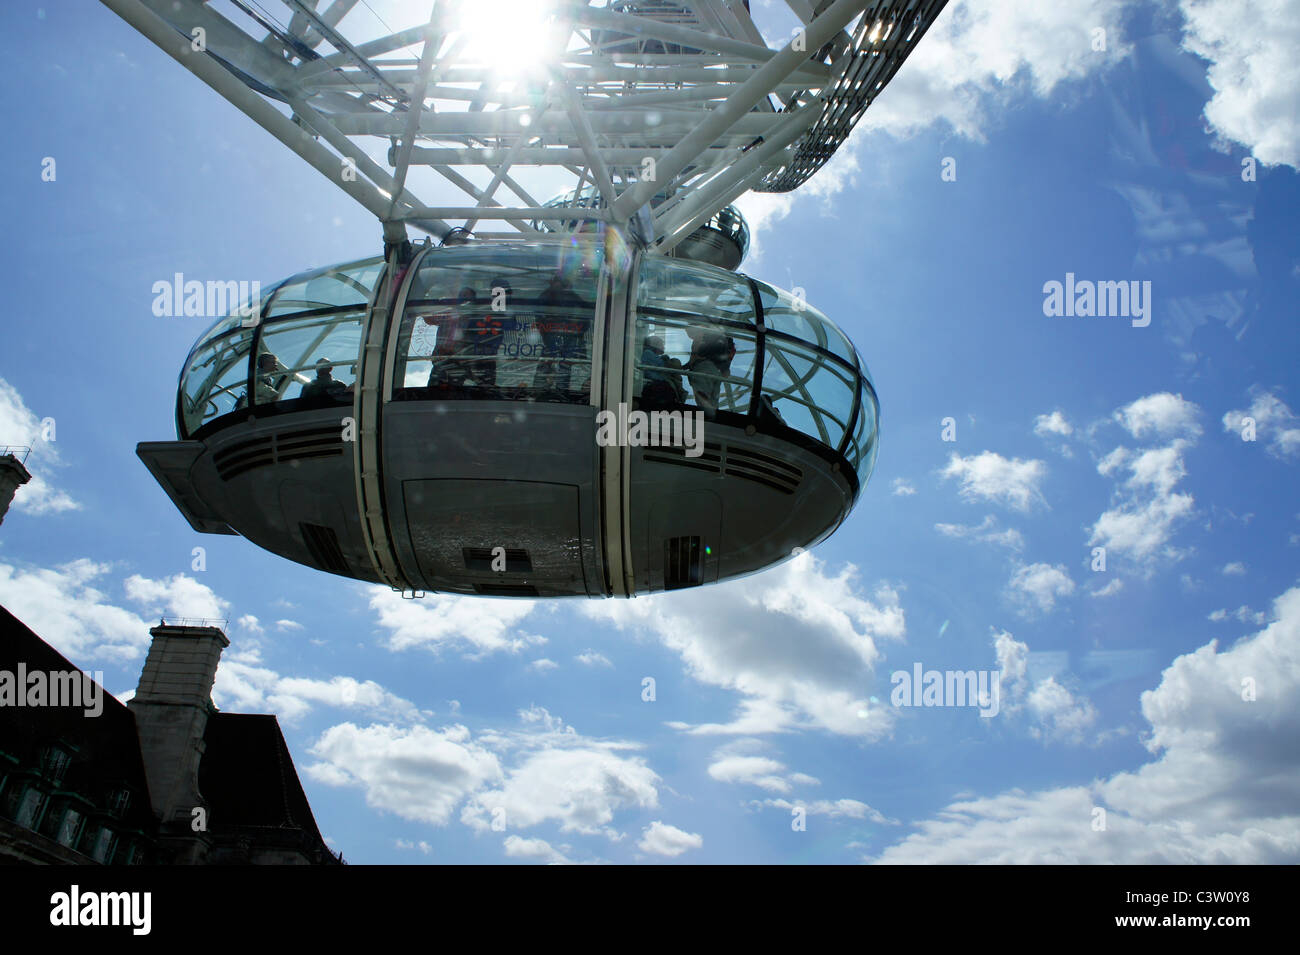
(247, 776)
(105, 749)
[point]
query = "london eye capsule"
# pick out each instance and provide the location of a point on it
(551, 417)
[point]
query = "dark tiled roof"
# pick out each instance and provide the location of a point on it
(104, 750)
(247, 776)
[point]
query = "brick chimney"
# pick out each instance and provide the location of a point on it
(171, 707)
(13, 475)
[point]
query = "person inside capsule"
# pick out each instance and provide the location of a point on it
(484, 331)
(271, 376)
(450, 369)
(564, 320)
(709, 364)
(663, 388)
(325, 389)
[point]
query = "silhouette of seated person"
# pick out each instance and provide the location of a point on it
(270, 378)
(563, 323)
(325, 389)
(710, 362)
(663, 380)
(449, 373)
(485, 331)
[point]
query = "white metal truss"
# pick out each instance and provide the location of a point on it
(665, 110)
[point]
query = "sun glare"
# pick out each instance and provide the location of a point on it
(510, 36)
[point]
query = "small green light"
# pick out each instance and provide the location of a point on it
(708, 550)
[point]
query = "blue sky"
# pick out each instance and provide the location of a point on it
(1122, 689)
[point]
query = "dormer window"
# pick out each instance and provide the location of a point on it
(54, 763)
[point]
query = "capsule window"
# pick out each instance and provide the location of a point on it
(696, 338)
(311, 362)
(505, 324)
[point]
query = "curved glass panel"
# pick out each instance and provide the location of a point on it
(696, 338)
(215, 381)
(868, 435)
(504, 322)
(350, 284)
(783, 312)
(807, 391)
(244, 316)
(672, 287)
(861, 450)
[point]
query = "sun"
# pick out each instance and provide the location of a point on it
(511, 37)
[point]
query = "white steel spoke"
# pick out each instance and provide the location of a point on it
(681, 107)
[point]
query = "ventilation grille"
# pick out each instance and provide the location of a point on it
(506, 590)
(764, 469)
(735, 462)
(480, 558)
(323, 545)
(683, 563)
(272, 449)
(710, 460)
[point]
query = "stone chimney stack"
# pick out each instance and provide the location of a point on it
(171, 708)
(13, 475)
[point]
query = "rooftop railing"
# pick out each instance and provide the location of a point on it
(219, 623)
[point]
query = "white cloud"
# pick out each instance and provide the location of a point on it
(1142, 530)
(414, 772)
(409, 844)
(563, 777)
(533, 850)
(1053, 423)
(1234, 569)
(1036, 587)
(1242, 613)
(66, 609)
(591, 658)
(473, 625)
(902, 488)
(981, 53)
(285, 626)
(985, 532)
(19, 426)
(1220, 788)
(1054, 711)
(1162, 414)
(178, 595)
(1254, 72)
(761, 771)
(797, 645)
(242, 685)
(1273, 419)
(1114, 587)
(662, 839)
(831, 808)
(63, 608)
(250, 623)
(989, 476)
(542, 664)
(1158, 468)
(1059, 714)
(1146, 508)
